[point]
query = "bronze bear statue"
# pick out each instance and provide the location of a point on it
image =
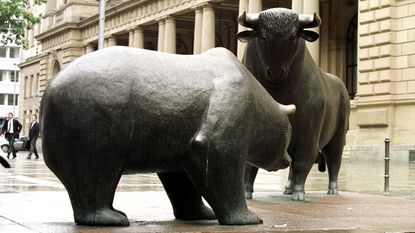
(195, 120)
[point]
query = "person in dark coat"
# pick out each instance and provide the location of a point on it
(33, 135)
(11, 128)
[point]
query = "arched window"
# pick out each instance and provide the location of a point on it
(351, 57)
(55, 69)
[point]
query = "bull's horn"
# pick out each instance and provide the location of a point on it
(309, 21)
(290, 109)
(248, 20)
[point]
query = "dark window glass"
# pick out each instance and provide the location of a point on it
(14, 52)
(3, 51)
(10, 99)
(351, 58)
(14, 76)
(2, 99)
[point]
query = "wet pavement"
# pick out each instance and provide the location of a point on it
(33, 200)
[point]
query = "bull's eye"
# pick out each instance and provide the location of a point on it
(263, 38)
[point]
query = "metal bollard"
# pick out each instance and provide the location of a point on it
(387, 142)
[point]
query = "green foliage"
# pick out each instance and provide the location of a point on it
(15, 20)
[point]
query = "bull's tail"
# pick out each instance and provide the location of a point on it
(4, 162)
(321, 162)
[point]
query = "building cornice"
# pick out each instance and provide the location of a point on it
(29, 61)
(56, 30)
(126, 6)
(111, 12)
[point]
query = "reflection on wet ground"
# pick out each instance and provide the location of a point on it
(362, 177)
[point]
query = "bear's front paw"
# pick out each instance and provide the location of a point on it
(199, 213)
(240, 218)
(102, 217)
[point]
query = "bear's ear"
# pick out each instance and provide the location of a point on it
(246, 36)
(309, 36)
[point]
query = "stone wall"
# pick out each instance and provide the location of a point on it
(386, 89)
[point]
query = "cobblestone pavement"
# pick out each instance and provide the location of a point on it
(33, 200)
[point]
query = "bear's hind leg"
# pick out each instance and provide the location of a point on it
(92, 201)
(90, 176)
(186, 200)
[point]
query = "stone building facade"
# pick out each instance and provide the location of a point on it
(369, 44)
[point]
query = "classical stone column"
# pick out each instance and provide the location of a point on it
(208, 28)
(232, 37)
(197, 44)
(131, 38)
(89, 48)
(324, 35)
(297, 5)
(138, 38)
(254, 6)
(243, 7)
(112, 41)
(160, 46)
(311, 7)
(170, 35)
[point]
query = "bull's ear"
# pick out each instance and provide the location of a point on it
(309, 36)
(246, 36)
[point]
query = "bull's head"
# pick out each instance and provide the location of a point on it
(278, 24)
(277, 37)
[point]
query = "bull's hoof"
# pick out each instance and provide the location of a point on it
(332, 192)
(297, 196)
(240, 218)
(248, 195)
(202, 213)
(332, 188)
(102, 217)
(288, 191)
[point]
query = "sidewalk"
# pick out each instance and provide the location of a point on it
(33, 200)
(29, 212)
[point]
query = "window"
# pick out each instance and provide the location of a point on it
(12, 76)
(1, 75)
(10, 99)
(14, 52)
(25, 88)
(31, 86)
(351, 58)
(2, 99)
(37, 85)
(3, 51)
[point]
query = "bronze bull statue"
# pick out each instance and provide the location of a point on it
(277, 56)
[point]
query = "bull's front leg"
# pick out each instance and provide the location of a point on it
(301, 165)
(218, 173)
(300, 171)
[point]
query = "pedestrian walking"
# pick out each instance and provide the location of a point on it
(11, 128)
(33, 135)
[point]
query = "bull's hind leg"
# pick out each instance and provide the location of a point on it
(186, 200)
(333, 154)
(219, 175)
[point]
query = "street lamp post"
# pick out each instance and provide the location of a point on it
(101, 24)
(14, 89)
